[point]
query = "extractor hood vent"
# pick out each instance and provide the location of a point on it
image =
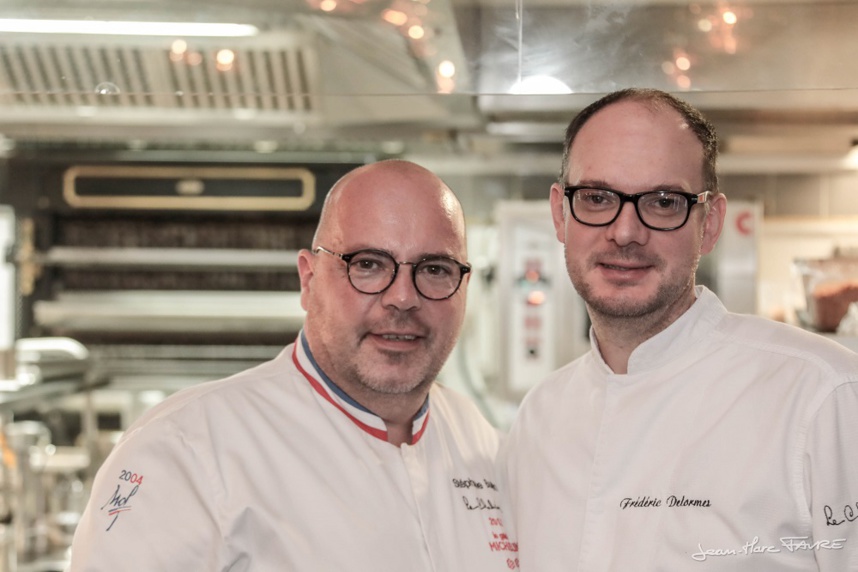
(39, 76)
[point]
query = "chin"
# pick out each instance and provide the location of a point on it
(394, 381)
(394, 388)
(621, 305)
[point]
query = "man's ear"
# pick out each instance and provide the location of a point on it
(306, 271)
(713, 222)
(558, 211)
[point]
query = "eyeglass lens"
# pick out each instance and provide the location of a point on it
(372, 271)
(658, 209)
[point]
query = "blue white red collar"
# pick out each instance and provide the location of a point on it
(357, 413)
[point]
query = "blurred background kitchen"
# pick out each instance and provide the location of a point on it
(161, 162)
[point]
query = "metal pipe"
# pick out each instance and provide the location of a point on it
(8, 294)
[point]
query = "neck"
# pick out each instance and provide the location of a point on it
(615, 345)
(399, 433)
(619, 336)
(398, 412)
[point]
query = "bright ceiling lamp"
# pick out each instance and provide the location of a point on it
(124, 28)
(539, 85)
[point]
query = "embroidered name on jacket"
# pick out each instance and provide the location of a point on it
(672, 501)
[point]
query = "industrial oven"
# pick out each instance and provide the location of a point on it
(169, 273)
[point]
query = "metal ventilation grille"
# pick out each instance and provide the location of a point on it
(141, 77)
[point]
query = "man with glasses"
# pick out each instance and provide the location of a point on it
(342, 453)
(688, 438)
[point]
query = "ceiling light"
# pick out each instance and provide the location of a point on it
(225, 57)
(105, 27)
(395, 17)
(446, 69)
(539, 85)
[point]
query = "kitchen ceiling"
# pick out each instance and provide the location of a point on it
(430, 78)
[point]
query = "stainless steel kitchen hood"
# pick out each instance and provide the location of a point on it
(365, 77)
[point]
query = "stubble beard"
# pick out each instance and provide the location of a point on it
(419, 369)
(625, 308)
(363, 374)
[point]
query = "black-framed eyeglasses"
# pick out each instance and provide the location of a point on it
(373, 271)
(658, 210)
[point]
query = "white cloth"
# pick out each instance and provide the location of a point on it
(730, 445)
(272, 470)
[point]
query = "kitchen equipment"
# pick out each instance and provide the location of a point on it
(830, 285)
(27, 442)
(44, 497)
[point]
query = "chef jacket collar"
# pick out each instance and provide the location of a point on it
(357, 413)
(691, 329)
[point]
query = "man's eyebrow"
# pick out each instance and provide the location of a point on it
(593, 183)
(431, 255)
(600, 184)
(419, 256)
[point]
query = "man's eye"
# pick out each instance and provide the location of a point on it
(667, 202)
(436, 270)
(595, 198)
(369, 263)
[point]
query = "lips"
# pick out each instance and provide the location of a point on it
(396, 342)
(623, 272)
(626, 260)
(399, 337)
(623, 266)
(398, 331)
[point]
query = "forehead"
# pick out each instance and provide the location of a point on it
(633, 145)
(405, 216)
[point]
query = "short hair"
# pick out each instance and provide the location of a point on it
(657, 99)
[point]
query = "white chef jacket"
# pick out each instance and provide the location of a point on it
(731, 444)
(276, 469)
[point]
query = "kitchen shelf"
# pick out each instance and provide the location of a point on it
(172, 258)
(172, 311)
(36, 395)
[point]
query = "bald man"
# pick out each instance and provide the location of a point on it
(342, 453)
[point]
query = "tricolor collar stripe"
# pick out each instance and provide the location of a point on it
(374, 431)
(358, 414)
(333, 387)
(421, 421)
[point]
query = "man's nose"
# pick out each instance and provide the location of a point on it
(628, 227)
(402, 293)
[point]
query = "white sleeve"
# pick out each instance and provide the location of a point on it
(153, 507)
(831, 481)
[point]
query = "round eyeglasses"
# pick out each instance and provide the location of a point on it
(373, 271)
(658, 210)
